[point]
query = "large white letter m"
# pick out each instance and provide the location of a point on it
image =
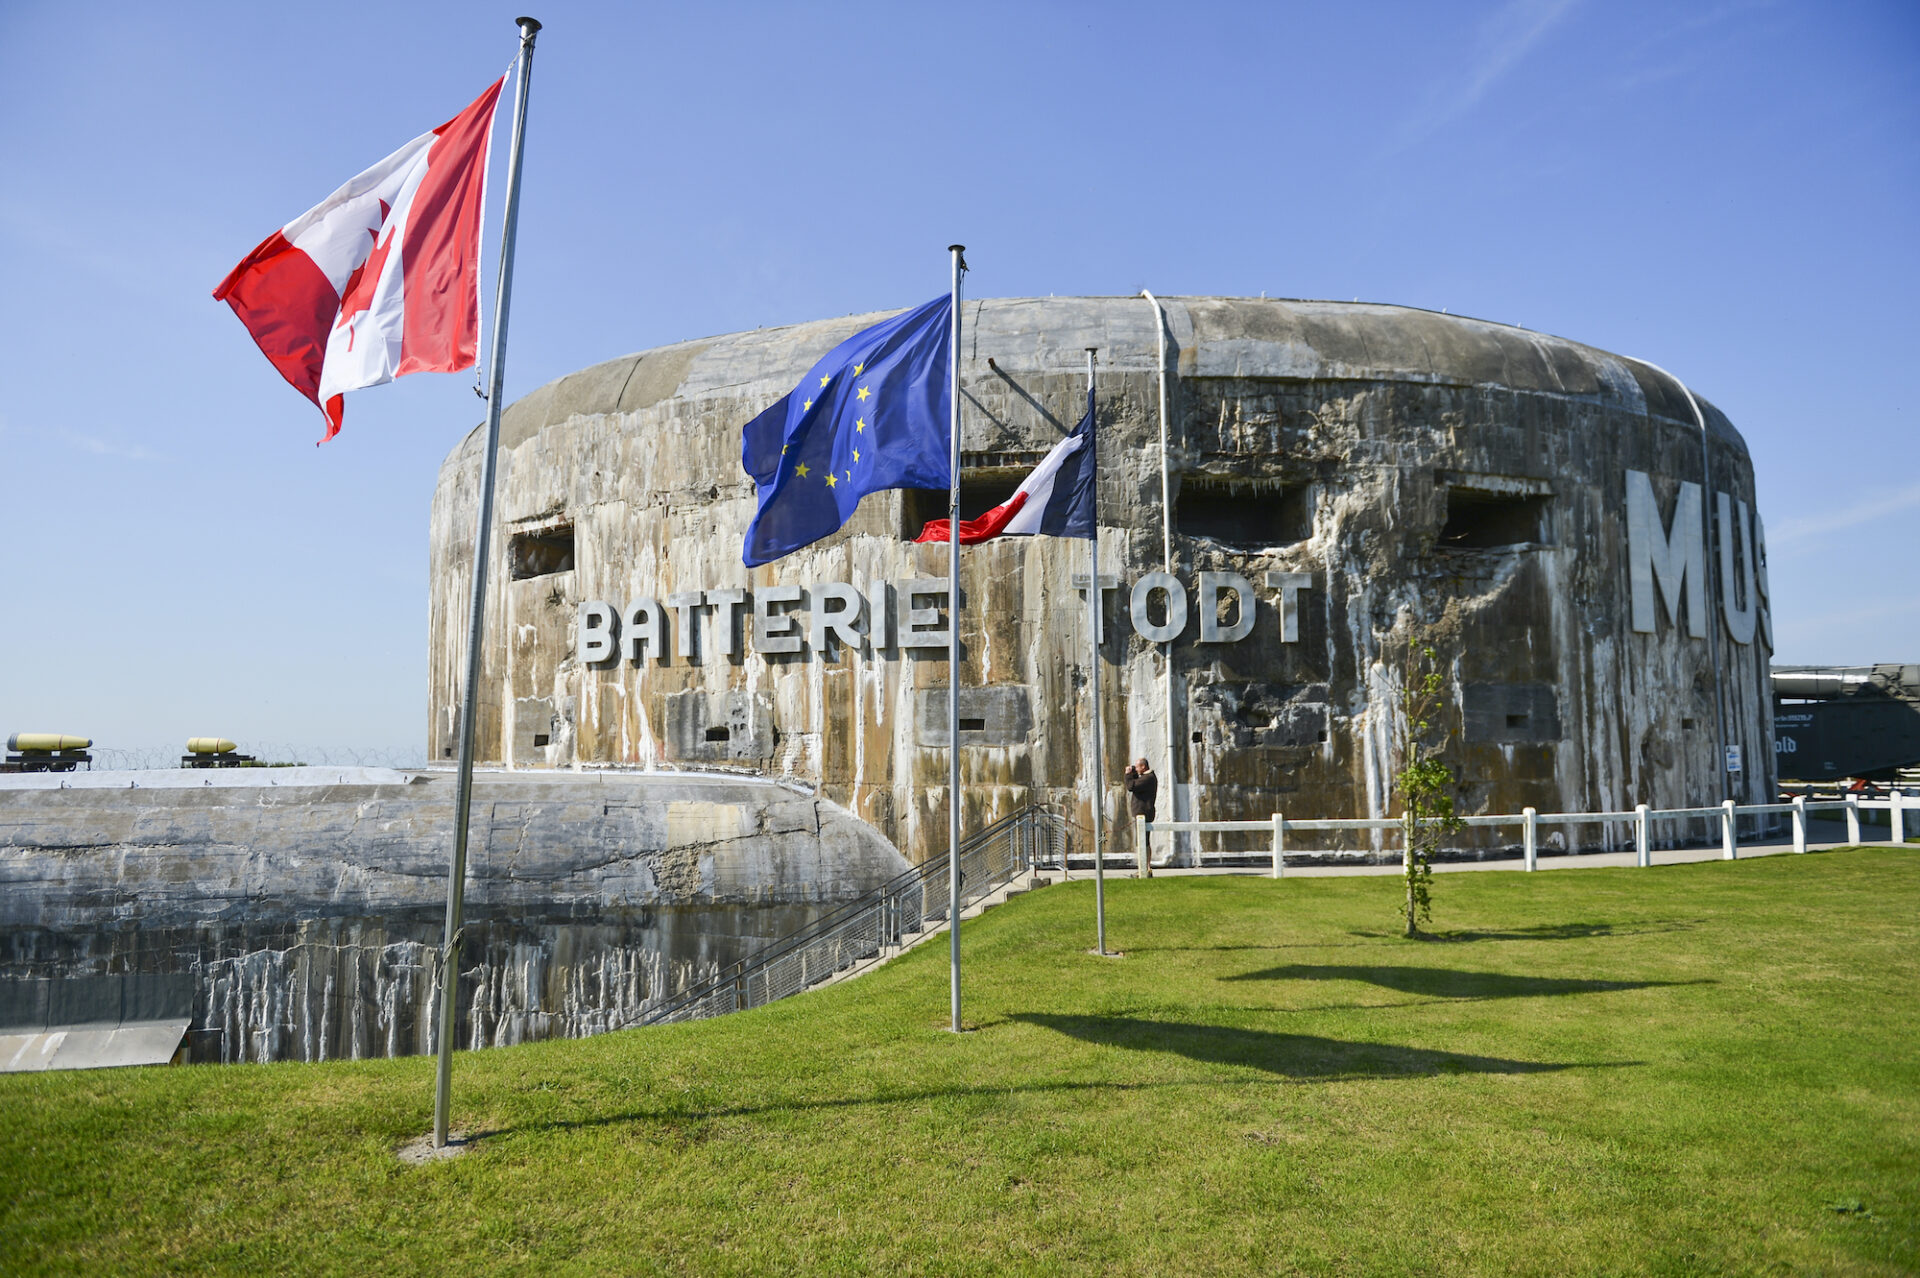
(1676, 559)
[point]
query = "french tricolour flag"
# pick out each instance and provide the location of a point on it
(1056, 498)
(381, 278)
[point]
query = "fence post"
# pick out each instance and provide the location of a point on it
(1729, 836)
(1142, 862)
(1897, 814)
(1642, 837)
(1853, 818)
(1529, 838)
(1279, 845)
(1799, 823)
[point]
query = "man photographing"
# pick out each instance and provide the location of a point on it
(1142, 785)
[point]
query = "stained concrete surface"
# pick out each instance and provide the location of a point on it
(306, 919)
(1349, 438)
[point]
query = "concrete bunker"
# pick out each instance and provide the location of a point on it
(1539, 509)
(296, 913)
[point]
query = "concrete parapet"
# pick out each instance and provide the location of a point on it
(309, 915)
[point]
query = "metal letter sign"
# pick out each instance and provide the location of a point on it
(903, 614)
(1212, 586)
(1674, 557)
(1740, 620)
(596, 633)
(1176, 621)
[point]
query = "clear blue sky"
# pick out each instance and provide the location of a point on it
(1729, 190)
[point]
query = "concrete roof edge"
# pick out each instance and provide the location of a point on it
(537, 399)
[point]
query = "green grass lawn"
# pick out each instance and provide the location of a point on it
(1707, 1068)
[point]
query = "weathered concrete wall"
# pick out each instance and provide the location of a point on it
(307, 904)
(1373, 421)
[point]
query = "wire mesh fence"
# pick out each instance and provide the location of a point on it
(887, 919)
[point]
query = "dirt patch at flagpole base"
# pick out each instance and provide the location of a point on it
(420, 1151)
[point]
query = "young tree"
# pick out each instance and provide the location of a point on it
(1425, 783)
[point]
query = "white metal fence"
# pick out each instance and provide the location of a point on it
(1641, 820)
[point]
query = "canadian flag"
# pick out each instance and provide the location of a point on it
(381, 278)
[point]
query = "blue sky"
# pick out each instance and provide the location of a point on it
(1729, 190)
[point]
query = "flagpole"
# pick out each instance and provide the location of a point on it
(1166, 547)
(1093, 637)
(953, 639)
(463, 797)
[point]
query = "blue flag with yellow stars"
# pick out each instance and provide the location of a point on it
(871, 415)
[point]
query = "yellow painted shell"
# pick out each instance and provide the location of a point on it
(46, 741)
(209, 745)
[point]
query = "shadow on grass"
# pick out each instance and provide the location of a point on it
(1440, 982)
(1233, 949)
(1294, 1058)
(1541, 932)
(1297, 1056)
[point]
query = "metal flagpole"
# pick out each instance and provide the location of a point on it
(953, 638)
(463, 798)
(1166, 547)
(1093, 633)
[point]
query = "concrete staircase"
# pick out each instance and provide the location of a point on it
(1027, 882)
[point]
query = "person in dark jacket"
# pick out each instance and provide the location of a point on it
(1143, 784)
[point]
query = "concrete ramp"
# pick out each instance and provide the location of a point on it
(93, 1046)
(93, 1021)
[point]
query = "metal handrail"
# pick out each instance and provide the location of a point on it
(908, 906)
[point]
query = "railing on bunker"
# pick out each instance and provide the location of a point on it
(1725, 816)
(887, 918)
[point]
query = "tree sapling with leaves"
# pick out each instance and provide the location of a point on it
(1425, 783)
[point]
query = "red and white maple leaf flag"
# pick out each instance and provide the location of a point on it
(381, 278)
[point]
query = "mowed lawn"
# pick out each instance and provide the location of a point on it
(1708, 1068)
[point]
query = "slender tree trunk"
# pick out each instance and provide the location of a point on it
(1412, 826)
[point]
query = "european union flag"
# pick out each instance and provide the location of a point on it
(871, 415)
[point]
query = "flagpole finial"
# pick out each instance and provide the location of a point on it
(529, 27)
